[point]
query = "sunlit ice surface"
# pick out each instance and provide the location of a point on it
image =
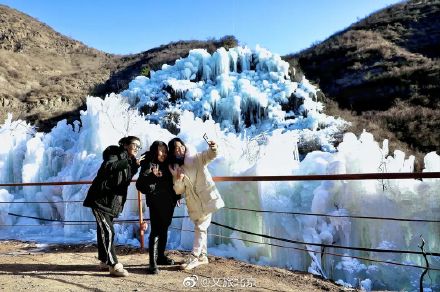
(265, 123)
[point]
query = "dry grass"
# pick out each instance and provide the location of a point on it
(45, 76)
(385, 72)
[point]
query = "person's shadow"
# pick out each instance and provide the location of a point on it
(47, 271)
(142, 269)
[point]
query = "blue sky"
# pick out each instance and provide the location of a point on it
(132, 26)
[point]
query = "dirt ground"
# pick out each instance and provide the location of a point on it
(24, 266)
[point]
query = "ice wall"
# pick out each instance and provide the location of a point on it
(220, 94)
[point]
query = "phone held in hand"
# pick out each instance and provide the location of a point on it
(206, 138)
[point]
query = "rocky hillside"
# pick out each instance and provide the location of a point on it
(45, 76)
(383, 74)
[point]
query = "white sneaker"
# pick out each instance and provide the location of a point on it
(118, 270)
(203, 259)
(194, 261)
(191, 262)
(103, 266)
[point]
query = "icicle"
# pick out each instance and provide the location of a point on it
(220, 63)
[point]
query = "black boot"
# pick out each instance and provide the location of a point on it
(162, 259)
(165, 261)
(152, 251)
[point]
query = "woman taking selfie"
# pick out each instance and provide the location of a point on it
(192, 178)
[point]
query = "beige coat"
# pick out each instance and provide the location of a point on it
(201, 195)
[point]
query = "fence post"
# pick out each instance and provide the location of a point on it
(427, 264)
(141, 220)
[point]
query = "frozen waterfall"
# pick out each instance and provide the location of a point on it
(244, 100)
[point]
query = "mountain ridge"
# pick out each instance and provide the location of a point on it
(383, 74)
(45, 76)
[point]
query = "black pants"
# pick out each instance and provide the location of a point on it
(160, 220)
(105, 234)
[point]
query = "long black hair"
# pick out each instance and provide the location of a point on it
(172, 151)
(151, 155)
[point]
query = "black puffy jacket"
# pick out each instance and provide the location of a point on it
(108, 191)
(158, 190)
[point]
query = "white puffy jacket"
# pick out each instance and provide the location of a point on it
(201, 195)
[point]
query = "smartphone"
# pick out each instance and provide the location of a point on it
(206, 138)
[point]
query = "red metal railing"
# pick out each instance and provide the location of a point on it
(357, 176)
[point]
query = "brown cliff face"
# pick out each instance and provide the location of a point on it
(45, 76)
(383, 73)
